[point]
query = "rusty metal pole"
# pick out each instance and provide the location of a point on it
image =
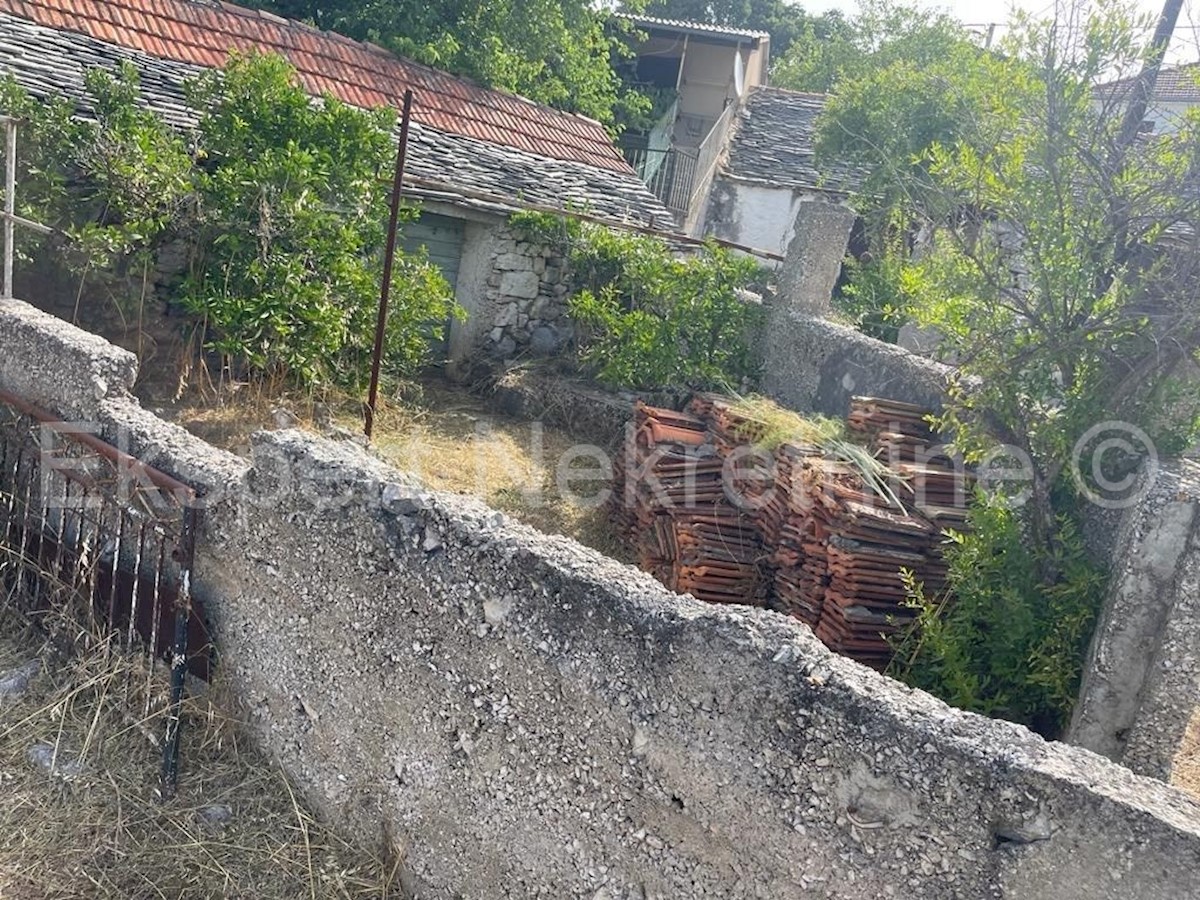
(185, 558)
(389, 258)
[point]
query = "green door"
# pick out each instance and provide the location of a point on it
(442, 238)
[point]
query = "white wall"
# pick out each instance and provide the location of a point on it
(753, 215)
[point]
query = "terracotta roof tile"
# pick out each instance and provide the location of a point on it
(469, 146)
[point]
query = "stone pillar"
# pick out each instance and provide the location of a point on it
(814, 257)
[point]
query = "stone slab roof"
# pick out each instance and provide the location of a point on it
(774, 143)
(468, 138)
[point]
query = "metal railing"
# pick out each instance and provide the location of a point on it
(93, 537)
(708, 155)
(668, 173)
(679, 176)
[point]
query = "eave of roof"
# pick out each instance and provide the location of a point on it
(48, 61)
(719, 33)
(774, 144)
(1177, 84)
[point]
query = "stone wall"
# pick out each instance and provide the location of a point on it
(522, 717)
(130, 306)
(1141, 687)
(526, 299)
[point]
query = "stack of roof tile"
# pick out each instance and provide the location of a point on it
(791, 528)
(898, 430)
(684, 528)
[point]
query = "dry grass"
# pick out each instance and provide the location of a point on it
(1185, 773)
(769, 425)
(440, 433)
(92, 823)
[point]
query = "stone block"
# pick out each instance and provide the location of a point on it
(509, 262)
(519, 284)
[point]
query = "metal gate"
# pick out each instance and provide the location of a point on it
(90, 532)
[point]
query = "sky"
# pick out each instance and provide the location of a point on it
(1185, 46)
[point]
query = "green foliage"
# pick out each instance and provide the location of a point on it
(646, 319)
(277, 197)
(558, 52)
(1008, 644)
(46, 163)
(1049, 262)
(137, 169)
(827, 51)
(289, 214)
(878, 294)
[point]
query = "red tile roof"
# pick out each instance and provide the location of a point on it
(202, 32)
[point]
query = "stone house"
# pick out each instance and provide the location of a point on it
(730, 156)
(768, 172)
(475, 155)
(1175, 92)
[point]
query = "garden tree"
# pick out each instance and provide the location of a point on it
(881, 33)
(558, 52)
(277, 197)
(1060, 270)
(786, 22)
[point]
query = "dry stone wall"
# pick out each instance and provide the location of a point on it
(526, 297)
(525, 718)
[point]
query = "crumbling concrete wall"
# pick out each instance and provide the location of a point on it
(1141, 687)
(811, 363)
(525, 718)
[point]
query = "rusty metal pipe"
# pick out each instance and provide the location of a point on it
(389, 259)
(124, 461)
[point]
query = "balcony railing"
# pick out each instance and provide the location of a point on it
(668, 173)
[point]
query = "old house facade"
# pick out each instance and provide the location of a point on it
(475, 154)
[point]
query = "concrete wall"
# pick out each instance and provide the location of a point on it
(1141, 687)
(814, 364)
(525, 718)
(766, 218)
(751, 214)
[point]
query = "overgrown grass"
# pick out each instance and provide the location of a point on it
(81, 815)
(442, 434)
(769, 425)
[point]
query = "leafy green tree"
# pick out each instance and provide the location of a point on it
(1058, 267)
(291, 221)
(829, 51)
(558, 52)
(277, 197)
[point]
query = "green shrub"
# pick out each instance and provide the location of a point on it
(877, 295)
(291, 226)
(277, 196)
(1011, 641)
(646, 319)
